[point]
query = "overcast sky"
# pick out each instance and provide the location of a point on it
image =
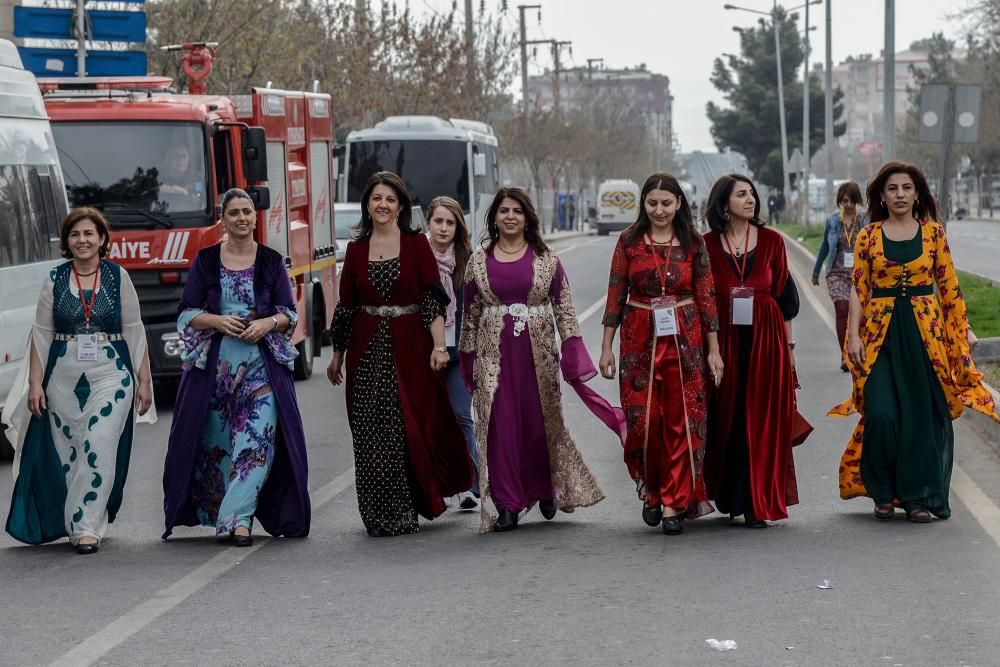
(681, 38)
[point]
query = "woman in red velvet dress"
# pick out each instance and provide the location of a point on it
(748, 463)
(409, 451)
(661, 262)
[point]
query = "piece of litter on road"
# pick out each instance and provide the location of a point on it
(724, 645)
(826, 585)
(789, 648)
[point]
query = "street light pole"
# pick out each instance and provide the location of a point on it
(828, 106)
(781, 101)
(805, 124)
(889, 84)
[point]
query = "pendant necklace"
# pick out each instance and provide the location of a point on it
(737, 252)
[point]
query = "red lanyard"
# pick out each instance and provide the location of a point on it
(656, 259)
(88, 309)
(741, 267)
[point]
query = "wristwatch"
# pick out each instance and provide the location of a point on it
(441, 349)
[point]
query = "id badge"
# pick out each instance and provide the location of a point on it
(741, 306)
(664, 316)
(848, 260)
(87, 347)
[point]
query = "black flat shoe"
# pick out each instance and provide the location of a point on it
(378, 532)
(672, 525)
(84, 549)
(750, 521)
(506, 522)
(844, 367)
(548, 509)
(242, 540)
(468, 503)
(652, 515)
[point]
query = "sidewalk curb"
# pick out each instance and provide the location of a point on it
(562, 236)
(812, 258)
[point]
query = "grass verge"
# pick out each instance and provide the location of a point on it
(811, 237)
(983, 302)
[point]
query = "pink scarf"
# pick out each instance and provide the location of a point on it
(446, 268)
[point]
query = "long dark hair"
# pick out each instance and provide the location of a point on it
(717, 209)
(462, 240)
(683, 223)
(924, 208)
(532, 227)
(405, 219)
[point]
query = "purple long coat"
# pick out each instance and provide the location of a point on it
(283, 505)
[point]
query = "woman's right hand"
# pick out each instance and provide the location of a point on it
(36, 399)
(230, 325)
(607, 364)
(855, 350)
(334, 372)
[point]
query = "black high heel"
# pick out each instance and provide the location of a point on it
(506, 522)
(548, 509)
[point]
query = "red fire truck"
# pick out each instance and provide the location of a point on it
(156, 163)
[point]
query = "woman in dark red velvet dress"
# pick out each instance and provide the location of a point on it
(409, 451)
(748, 463)
(661, 262)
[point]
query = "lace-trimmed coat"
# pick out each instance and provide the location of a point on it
(573, 483)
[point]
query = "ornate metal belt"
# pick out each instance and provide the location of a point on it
(391, 311)
(101, 337)
(521, 312)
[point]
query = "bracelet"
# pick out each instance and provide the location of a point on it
(791, 345)
(275, 320)
(441, 349)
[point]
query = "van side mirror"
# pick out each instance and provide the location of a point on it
(261, 196)
(255, 154)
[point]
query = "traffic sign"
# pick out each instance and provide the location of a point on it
(105, 26)
(62, 62)
(870, 148)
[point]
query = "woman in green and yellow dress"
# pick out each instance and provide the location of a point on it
(909, 350)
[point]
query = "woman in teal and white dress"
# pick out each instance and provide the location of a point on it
(73, 406)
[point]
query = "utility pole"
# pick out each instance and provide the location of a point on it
(81, 39)
(781, 100)
(828, 107)
(805, 125)
(524, 53)
(470, 51)
(556, 48)
(889, 84)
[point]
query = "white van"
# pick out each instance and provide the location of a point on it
(617, 205)
(32, 206)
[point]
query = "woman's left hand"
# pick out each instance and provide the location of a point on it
(439, 360)
(144, 396)
(973, 340)
(257, 329)
(715, 367)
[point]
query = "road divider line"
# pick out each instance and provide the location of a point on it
(99, 644)
(980, 506)
(594, 307)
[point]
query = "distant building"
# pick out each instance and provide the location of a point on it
(636, 88)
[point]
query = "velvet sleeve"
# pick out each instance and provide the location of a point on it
(704, 288)
(783, 288)
(472, 309)
(347, 303)
(618, 287)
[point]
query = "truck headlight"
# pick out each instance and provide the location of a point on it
(172, 346)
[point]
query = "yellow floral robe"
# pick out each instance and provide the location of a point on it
(943, 328)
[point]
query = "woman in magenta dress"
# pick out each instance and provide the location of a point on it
(516, 298)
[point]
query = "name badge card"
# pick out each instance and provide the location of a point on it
(665, 316)
(741, 306)
(848, 259)
(86, 347)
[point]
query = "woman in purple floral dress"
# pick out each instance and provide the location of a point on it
(238, 358)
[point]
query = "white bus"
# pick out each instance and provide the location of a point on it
(32, 206)
(434, 157)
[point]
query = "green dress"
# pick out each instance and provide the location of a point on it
(908, 444)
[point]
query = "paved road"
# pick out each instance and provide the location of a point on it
(594, 588)
(975, 245)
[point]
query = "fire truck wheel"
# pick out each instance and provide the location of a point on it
(304, 362)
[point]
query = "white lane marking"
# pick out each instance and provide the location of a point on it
(982, 508)
(128, 624)
(594, 307)
(573, 247)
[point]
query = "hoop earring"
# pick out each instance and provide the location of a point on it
(725, 214)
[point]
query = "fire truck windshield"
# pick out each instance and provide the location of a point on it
(428, 167)
(141, 174)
